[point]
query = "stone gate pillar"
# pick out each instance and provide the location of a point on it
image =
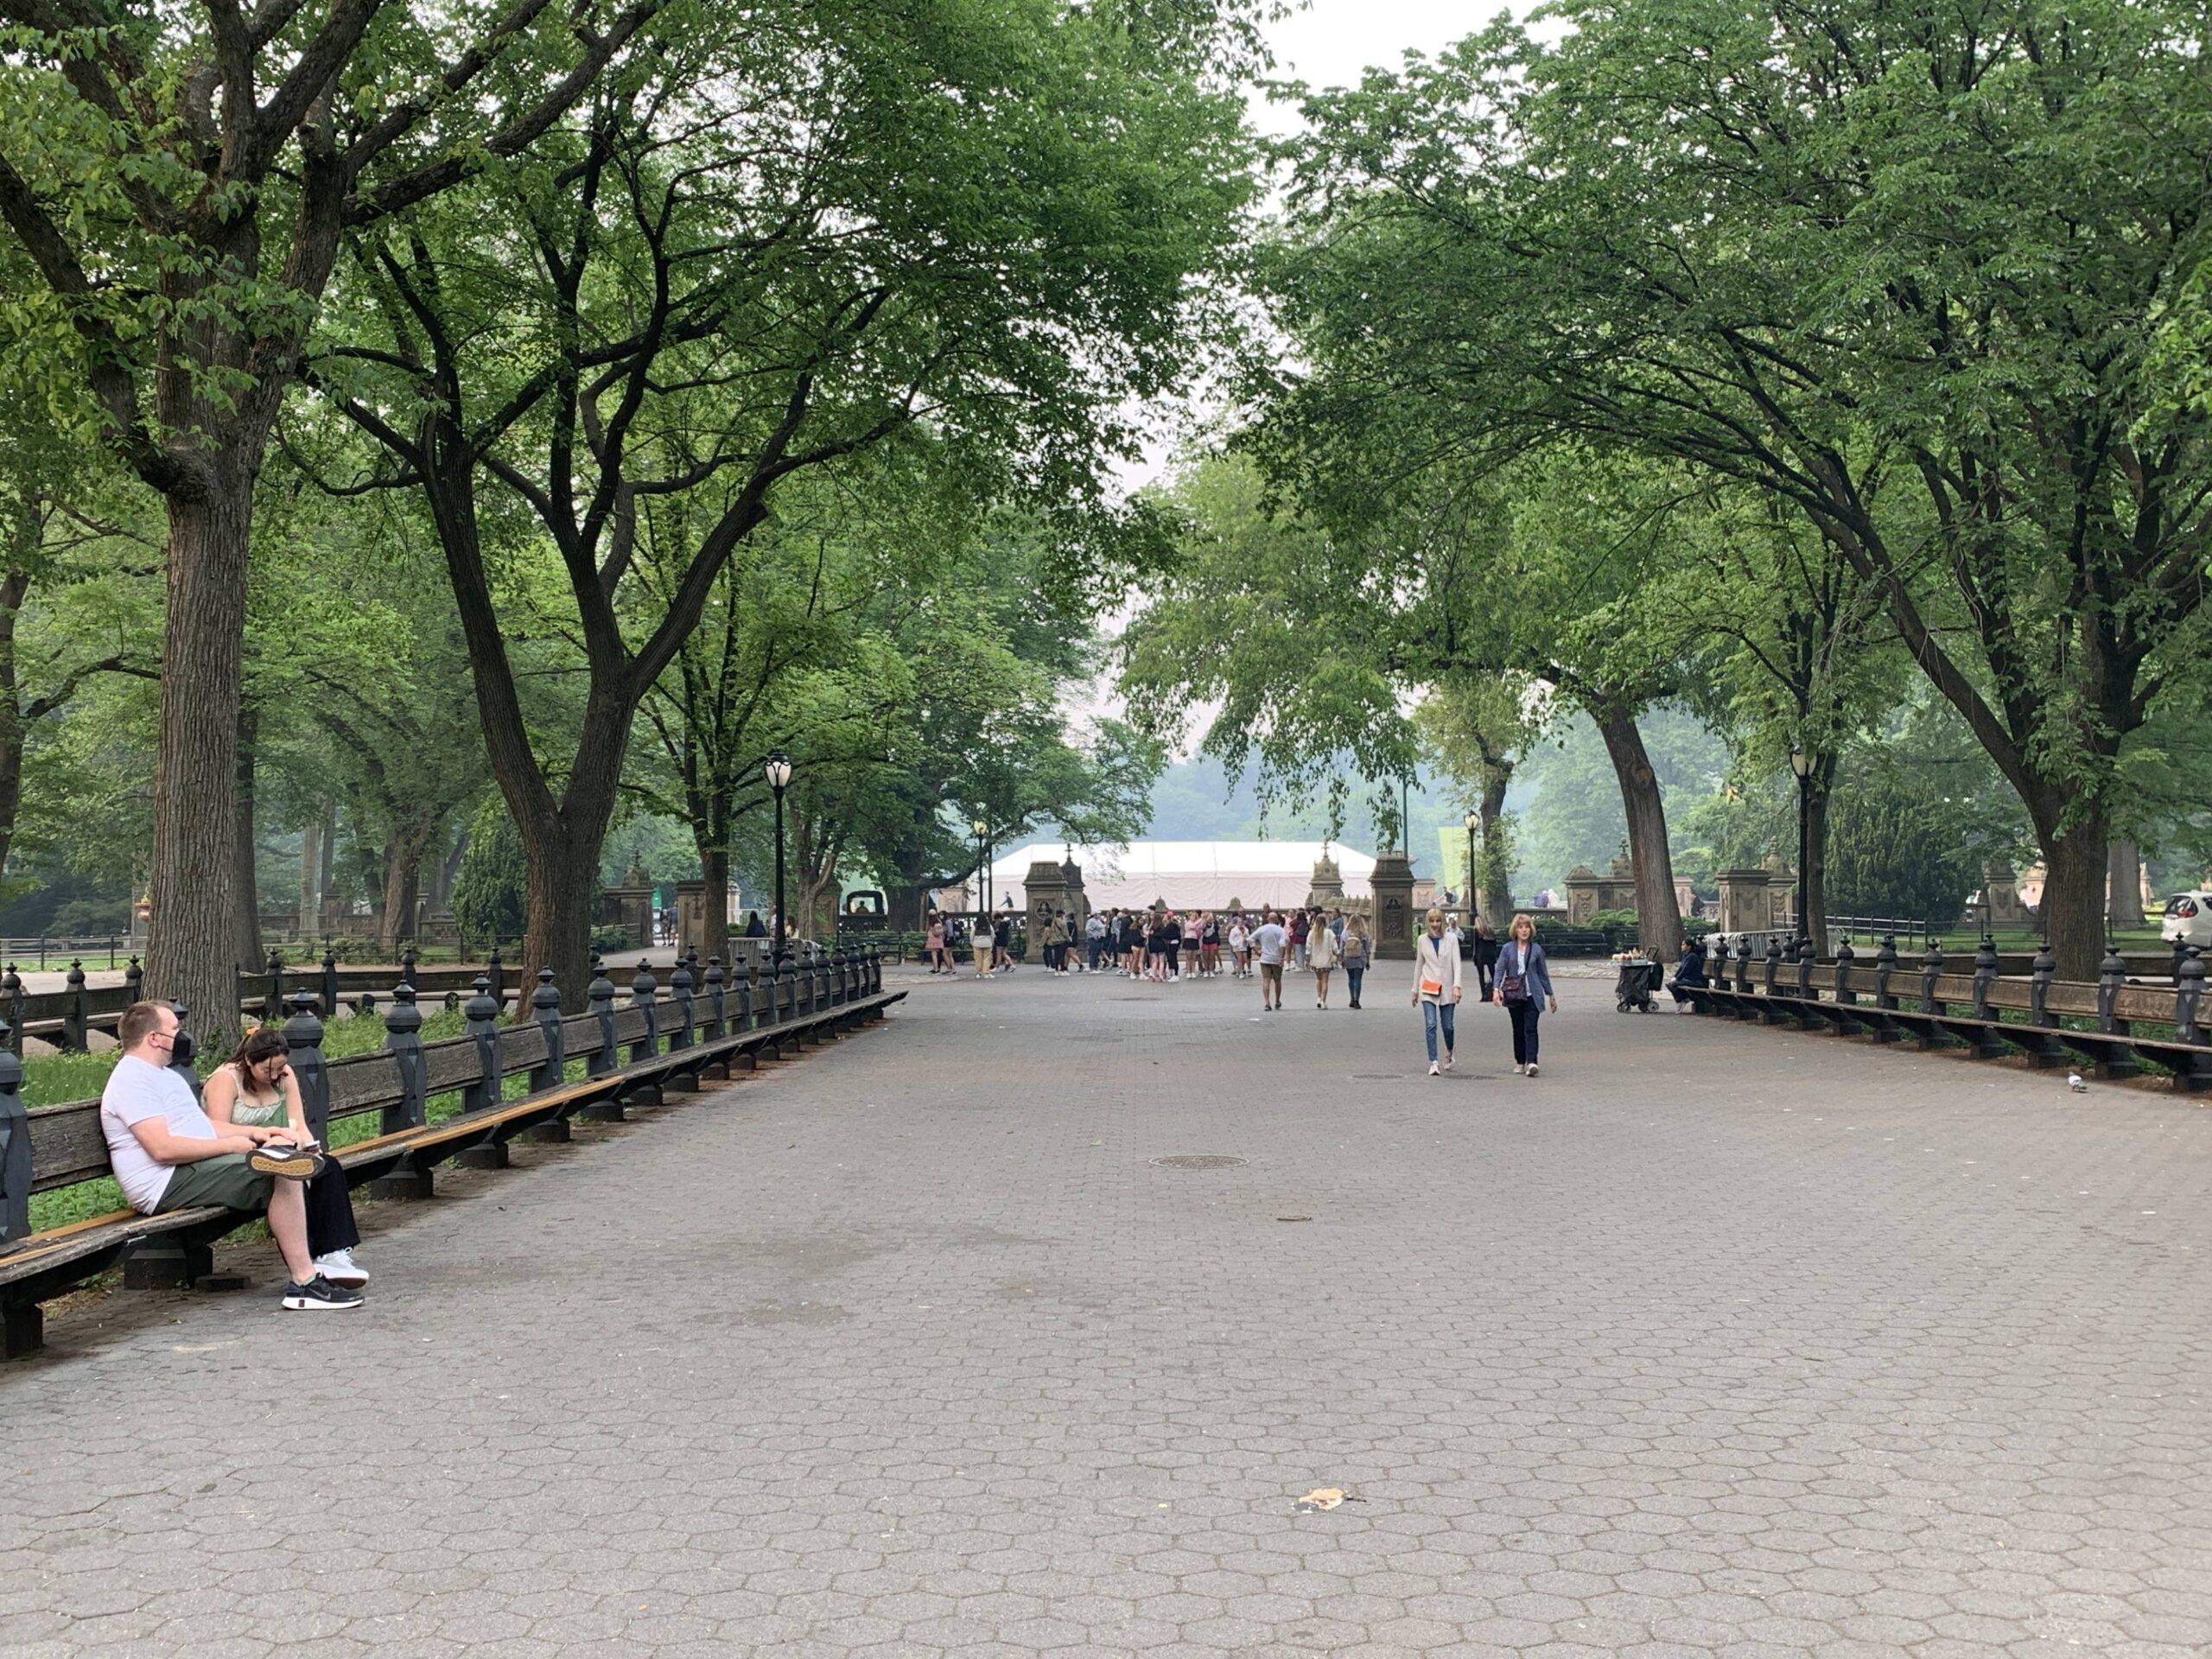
(1582, 895)
(1743, 901)
(1328, 888)
(1045, 889)
(1393, 882)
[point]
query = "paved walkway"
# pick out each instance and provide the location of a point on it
(1712, 1341)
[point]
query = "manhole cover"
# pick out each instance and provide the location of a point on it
(1198, 1160)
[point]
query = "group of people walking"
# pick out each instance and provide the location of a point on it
(1165, 946)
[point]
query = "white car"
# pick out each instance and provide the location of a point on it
(2189, 919)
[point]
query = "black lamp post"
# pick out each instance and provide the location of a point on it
(1802, 764)
(983, 829)
(1474, 822)
(778, 772)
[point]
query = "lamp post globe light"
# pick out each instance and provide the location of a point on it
(778, 774)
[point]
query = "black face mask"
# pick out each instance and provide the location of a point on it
(183, 1049)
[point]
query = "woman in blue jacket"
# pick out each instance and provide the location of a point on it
(1522, 986)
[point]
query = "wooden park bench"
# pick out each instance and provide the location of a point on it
(701, 1026)
(1930, 1005)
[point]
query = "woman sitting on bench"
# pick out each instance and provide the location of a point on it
(1689, 971)
(255, 1089)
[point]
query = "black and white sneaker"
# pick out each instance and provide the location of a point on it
(320, 1295)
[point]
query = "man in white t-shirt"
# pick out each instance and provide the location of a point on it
(1270, 942)
(169, 1155)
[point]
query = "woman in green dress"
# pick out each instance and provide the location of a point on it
(254, 1088)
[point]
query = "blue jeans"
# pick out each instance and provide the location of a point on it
(1432, 1014)
(1352, 978)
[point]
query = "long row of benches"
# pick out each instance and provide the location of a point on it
(2054, 1022)
(631, 1055)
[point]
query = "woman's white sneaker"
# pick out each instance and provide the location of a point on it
(1432, 1068)
(340, 1268)
(1520, 1070)
(1532, 1068)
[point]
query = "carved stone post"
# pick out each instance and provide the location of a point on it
(1846, 997)
(1985, 1044)
(485, 1094)
(679, 1036)
(2118, 1060)
(303, 1053)
(680, 987)
(644, 992)
(2189, 995)
(329, 983)
(74, 1018)
(600, 994)
(403, 1040)
(15, 1153)
(717, 1003)
(482, 1093)
(1770, 981)
(22, 1329)
(607, 1056)
(551, 1072)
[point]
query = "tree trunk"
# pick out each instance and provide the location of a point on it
(557, 890)
(714, 867)
(1659, 924)
(2073, 909)
(328, 871)
(1493, 879)
(1813, 879)
(13, 590)
(310, 868)
(403, 886)
(2123, 884)
(251, 954)
(448, 871)
(194, 937)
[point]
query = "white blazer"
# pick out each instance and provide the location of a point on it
(1436, 959)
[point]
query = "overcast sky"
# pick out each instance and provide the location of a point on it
(1330, 41)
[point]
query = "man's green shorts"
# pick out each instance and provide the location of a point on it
(226, 1181)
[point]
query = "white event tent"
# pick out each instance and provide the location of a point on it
(1188, 875)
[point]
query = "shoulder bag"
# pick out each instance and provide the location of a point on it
(1514, 987)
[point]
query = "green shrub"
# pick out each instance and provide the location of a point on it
(487, 890)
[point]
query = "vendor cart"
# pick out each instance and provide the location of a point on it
(1638, 984)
